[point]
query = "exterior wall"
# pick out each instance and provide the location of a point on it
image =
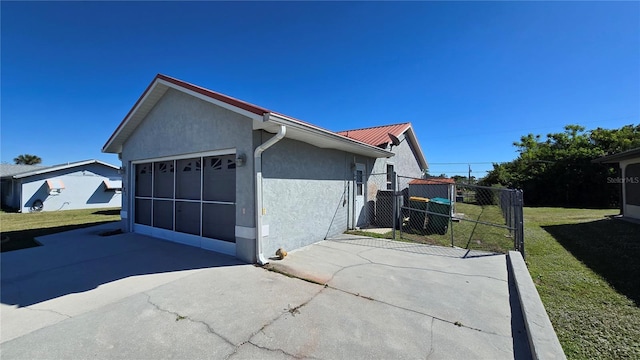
(307, 193)
(630, 210)
(84, 189)
(180, 124)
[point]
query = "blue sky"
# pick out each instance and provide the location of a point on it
(472, 77)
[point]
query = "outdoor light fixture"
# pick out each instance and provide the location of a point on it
(241, 160)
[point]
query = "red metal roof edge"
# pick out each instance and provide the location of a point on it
(215, 95)
(375, 127)
(212, 94)
(432, 181)
(370, 136)
(227, 99)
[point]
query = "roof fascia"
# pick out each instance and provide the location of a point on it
(616, 158)
(412, 137)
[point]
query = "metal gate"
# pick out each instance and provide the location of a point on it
(441, 212)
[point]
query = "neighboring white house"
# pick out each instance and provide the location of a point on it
(208, 170)
(78, 185)
(629, 163)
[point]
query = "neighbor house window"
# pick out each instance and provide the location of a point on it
(389, 177)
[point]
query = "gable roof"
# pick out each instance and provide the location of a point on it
(615, 158)
(46, 169)
(263, 119)
(379, 136)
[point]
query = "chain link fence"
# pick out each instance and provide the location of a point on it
(439, 211)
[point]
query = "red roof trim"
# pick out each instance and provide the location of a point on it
(200, 90)
(215, 95)
(432, 181)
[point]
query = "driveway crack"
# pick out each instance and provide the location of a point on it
(291, 310)
(180, 317)
(431, 341)
(294, 310)
(48, 310)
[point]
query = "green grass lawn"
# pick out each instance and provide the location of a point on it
(466, 234)
(18, 230)
(586, 268)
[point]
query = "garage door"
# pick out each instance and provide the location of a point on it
(190, 201)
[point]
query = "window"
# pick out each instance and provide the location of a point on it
(359, 183)
(389, 177)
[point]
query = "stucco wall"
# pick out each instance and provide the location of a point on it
(181, 124)
(84, 189)
(405, 162)
(306, 193)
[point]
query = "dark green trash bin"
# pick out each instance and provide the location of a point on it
(417, 215)
(439, 223)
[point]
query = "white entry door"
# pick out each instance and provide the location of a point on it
(360, 216)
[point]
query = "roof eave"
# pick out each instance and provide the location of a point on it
(155, 91)
(616, 158)
(331, 139)
(420, 155)
(62, 167)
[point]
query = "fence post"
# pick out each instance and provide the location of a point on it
(520, 221)
(394, 206)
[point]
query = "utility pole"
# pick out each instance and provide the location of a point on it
(469, 173)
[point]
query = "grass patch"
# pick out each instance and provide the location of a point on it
(468, 234)
(18, 230)
(585, 268)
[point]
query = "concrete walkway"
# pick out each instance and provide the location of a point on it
(130, 296)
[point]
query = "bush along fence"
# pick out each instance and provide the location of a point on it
(441, 212)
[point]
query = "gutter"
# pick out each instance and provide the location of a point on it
(257, 163)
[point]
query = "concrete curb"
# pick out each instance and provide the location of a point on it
(543, 341)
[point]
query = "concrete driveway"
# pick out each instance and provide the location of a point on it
(130, 296)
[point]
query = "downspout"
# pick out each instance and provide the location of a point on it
(257, 163)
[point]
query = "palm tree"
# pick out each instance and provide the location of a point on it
(27, 159)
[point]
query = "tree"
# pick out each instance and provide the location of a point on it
(27, 159)
(557, 171)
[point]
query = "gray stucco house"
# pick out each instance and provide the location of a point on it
(629, 163)
(208, 170)
(78, 185)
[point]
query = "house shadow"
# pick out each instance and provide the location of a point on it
(609, 247)
(82, 260)
(24, 239)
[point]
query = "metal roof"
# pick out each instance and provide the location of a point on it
(432, 181)
(377, 135)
